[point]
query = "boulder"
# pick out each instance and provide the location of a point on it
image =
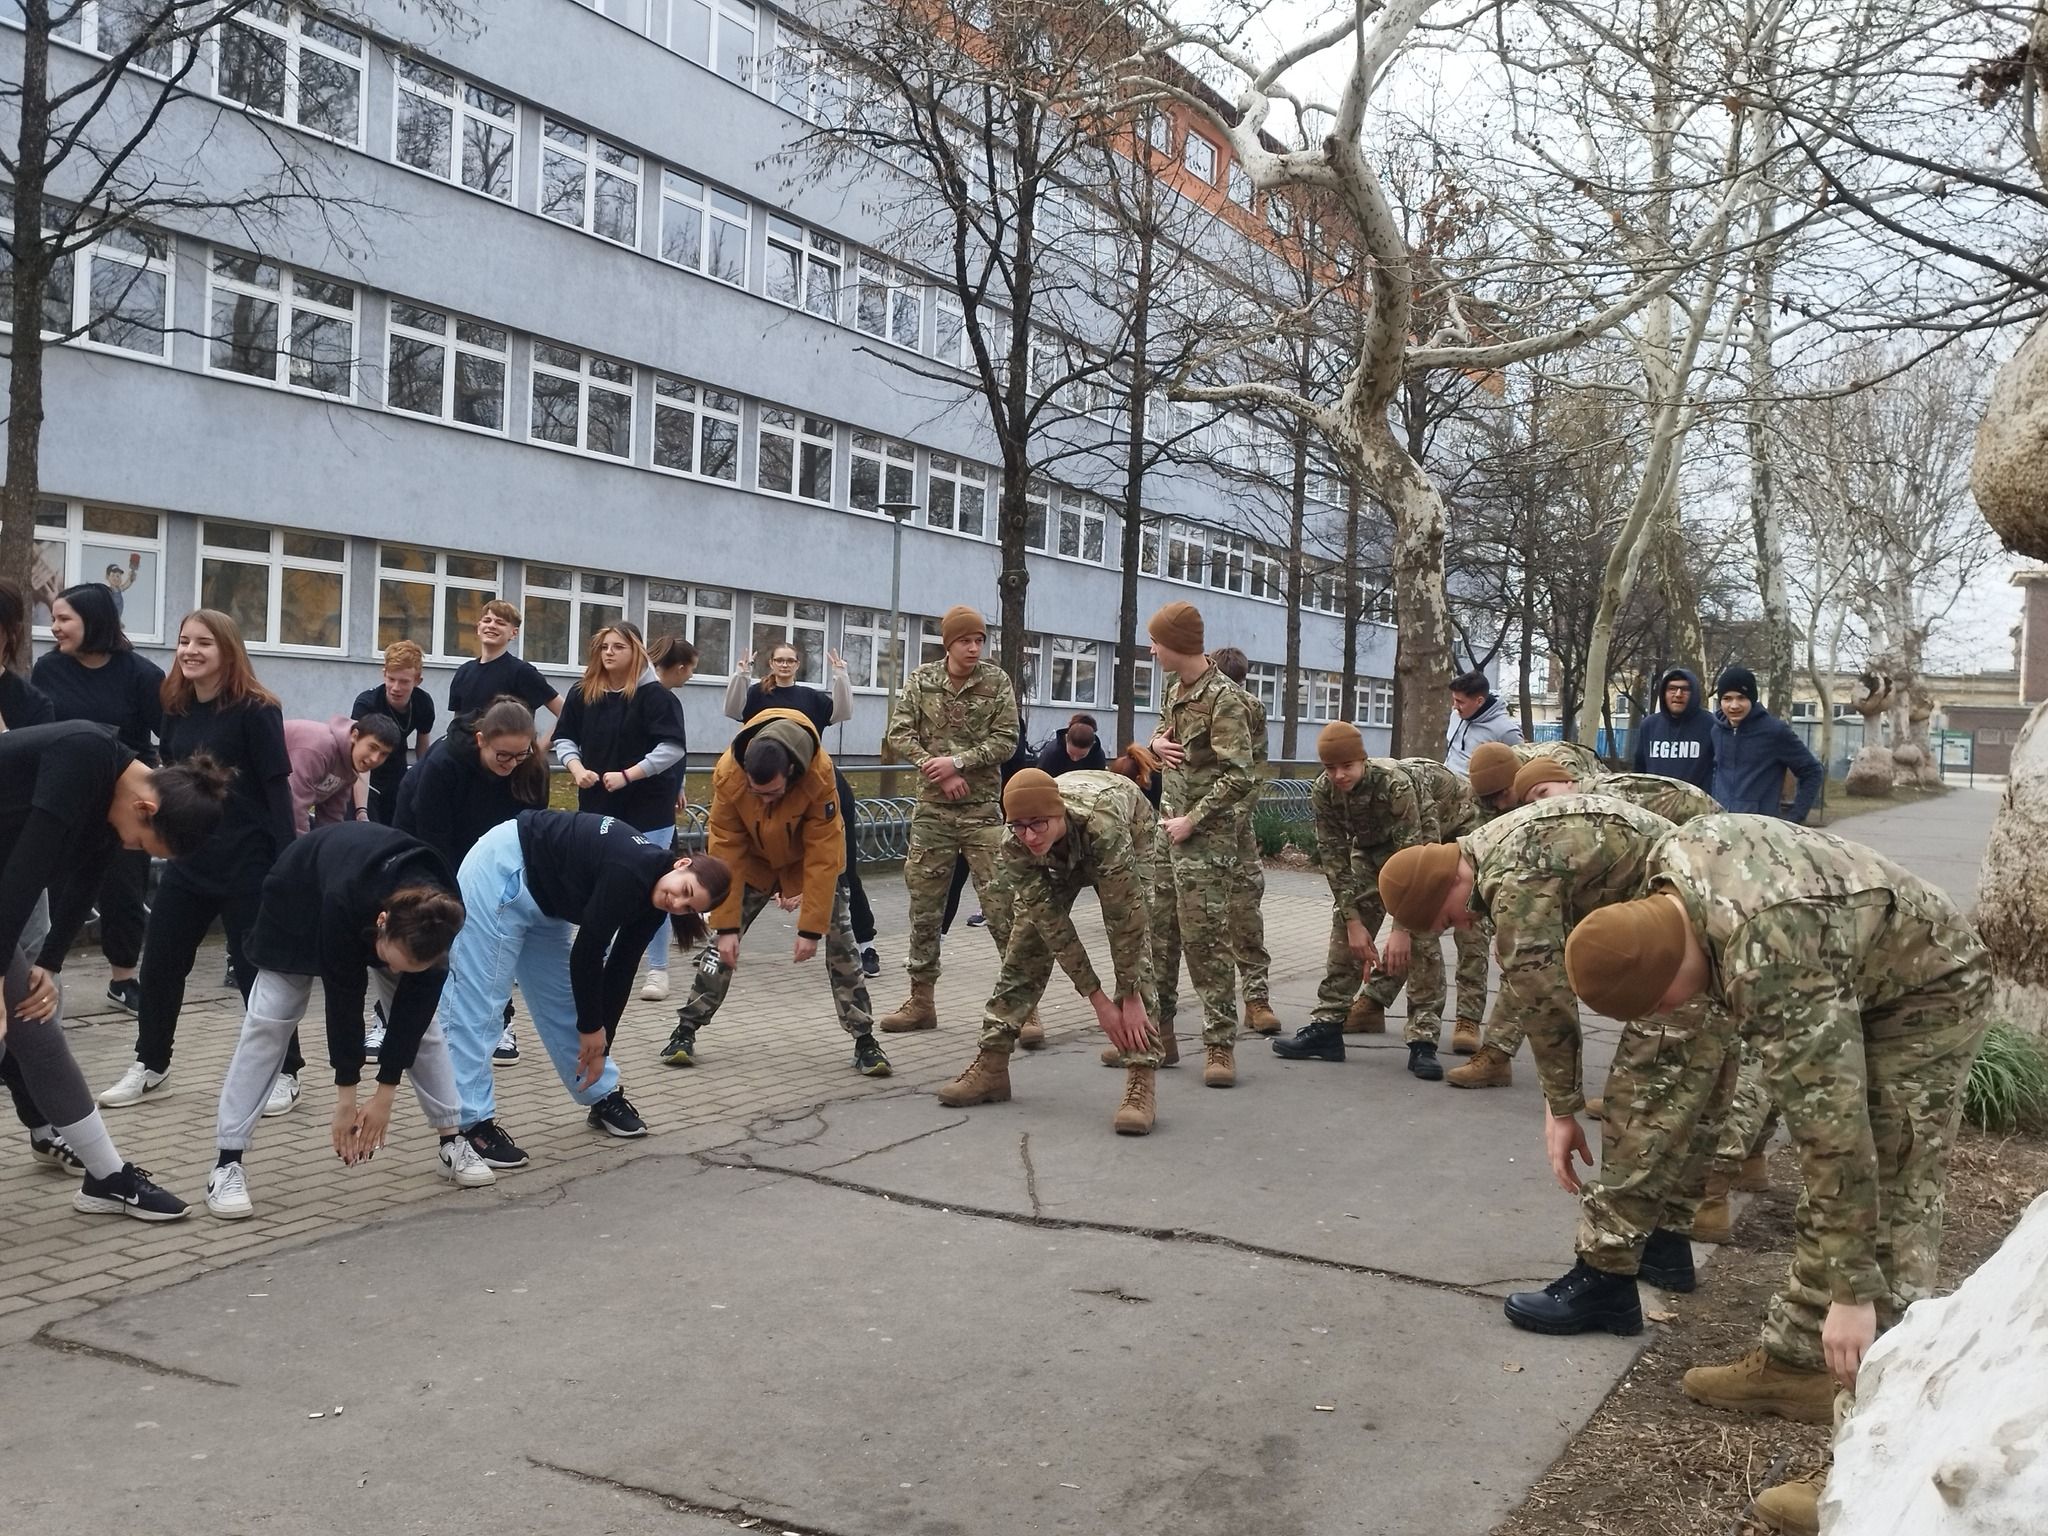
(1949, 1435)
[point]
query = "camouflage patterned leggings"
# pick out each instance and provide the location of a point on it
(842, 970)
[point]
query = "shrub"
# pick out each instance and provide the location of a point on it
(1271, 828)
(2008, 1086)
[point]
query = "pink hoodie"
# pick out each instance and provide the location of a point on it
(323, 774)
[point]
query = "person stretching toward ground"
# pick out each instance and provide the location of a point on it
(333, 762)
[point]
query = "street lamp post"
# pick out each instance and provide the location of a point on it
(898, 512)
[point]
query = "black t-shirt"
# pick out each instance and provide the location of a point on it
(478, 682)
(814, 704)
(596, 872)
(56, 783)
(417, 716)
(22, 705)
(613, 735)
(126, 693)
(256, 822)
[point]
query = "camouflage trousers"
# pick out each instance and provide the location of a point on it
(1751, 1118)
(1667, 1091)
(1474, 947)
(842, 970)
(1916, 1060)
(1192, 884)
(1028, 964)
(1247, 918)
(1424, 981)
(939, 834)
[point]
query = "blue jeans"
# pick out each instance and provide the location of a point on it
(506, 938)
(657, 947)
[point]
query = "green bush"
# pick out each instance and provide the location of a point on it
(1270, 827)
(2008, 1086)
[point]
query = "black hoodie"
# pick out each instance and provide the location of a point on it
(1679, 746)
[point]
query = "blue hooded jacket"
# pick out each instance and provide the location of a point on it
(1750, 759)
(1679, 746)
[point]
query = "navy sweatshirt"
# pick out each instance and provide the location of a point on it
(1750, 761)
(1679, 746)
(1053, 758)
(599, 873)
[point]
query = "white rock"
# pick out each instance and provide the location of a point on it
(1950, 1432)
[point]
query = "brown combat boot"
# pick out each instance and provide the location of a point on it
(1112, 1057)
(1716, 1213)
(1757, 1383)
(1365, 1017)
(1032, 1035)
(1465, 1038)
(1755, 1177)
(1135, 1116)
(1489, 1069)
(919, 1011)
(1220, 1070)
(1596, 1108)
(986, 1081)
(1791, 1509)
(1259, 1017)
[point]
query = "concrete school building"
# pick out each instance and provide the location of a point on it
(585, 352)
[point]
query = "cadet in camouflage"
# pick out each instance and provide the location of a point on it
(1673, 799)
(1752, 1117)
(1247, 898)
(1865, 990)
(956, 720)
(1448, 798)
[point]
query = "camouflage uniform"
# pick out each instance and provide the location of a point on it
(1673, 799)
(1247, 915)
(975, 722)
(1457, 813)
(842, 969)
(1537, 871)
(1865, 991)
(1356, 832)
(1193, 881)
(1109, 846)
(1751, 1119)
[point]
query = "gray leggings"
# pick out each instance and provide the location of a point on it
(277, 1001)
(48, 1069)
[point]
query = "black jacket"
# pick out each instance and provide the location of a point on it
(1679, 746)
(613, 735)
(319, 918)
(450, 799)
(1054, 760)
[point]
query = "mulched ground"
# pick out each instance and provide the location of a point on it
(1651, 1461)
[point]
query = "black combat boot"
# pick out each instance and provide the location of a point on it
(1578, 1302)
(1318, 1041)
(1422, 1061)
(1667, 1262)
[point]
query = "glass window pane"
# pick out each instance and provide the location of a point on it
(675, 438)
(728, 260)
(611, 424)
(721, 458)
(313, 546)
(330, 101)
(414, 382)
(690, 31)
(118, 521)
(561, 188)
(323, 353)
(480, 392)
(251, 68)
(312, 609)
(544, 640)
(405, 557)
(240, 591)
(405, 611)
(425, 131)
(617, 213)
(487, 158)
(776, 470)
(461, 607)
(235, 536)
(244, 335)
(555, 409)
(128, 307)
(473, 568)
(682, 235)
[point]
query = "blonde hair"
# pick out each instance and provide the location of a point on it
(593, 670)
(401, 654)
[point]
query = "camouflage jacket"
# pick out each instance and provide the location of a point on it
(1108, 846)
(1810, 938)
(1262, 766)
(1445, 793)
(1675, 800)
(1583, 766)
(1537, 871)
(1212, 721)
(975, 722)
(1358, 831)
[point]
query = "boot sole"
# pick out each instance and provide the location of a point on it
(1031, 1045)
(678, 1059)
(879, 1069)
(1679, 1284)
(1797, 1413)
(1134, 1130)
(1306, 1055)
(888, 1028)
(986, 1098)
(1492, 1082)
(1620, 1326)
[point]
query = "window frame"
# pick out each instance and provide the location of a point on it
(276, 562)
(581, 602)
(72, 539)
(693, 609)
(287, 303)
(807, 634)
(293, 35)
(895, 285)
(456, 346)
(709, 211)
(537, 366)
(813, 248)
(715, 21)
(1076, 654)
(955, 471)
(442, 582)
(460, 109)
(591, 156)
(804, 441)
(890, 457)
(1188, 156)
(704, 410)
(78, 330)
(869, 627)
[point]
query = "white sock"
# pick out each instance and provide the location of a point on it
(95, 1148)
(42, 1132)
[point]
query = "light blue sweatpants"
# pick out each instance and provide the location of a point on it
(657, 947)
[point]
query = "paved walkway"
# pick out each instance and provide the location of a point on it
(827, 1304)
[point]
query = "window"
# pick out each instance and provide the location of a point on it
(1323, 694)
(883, 470)
(950, 344)
(445, 367)
(719, 34)
(80, 541)
(804, 268)
(1159, 132)
(792, 621)
(1268, 575)
(1199, 156)
(1084, 521)
(1381, 707)
(563, 609)
(696, 430)
(432, 598)
(281, 326)
(1187, 553)
(1034, 655)
(1380, 607)
(1264, 680)
(864, 642)
(956, 499)
(701, 615)
(795, 455)
(1074, 666)
(1148, 551)
(275, 59)
(703, 228)
(582, 402)
(125, 300)
(109, 26)
(286, 590)
(808, 86)
(457, 131)
(889, 303)
(1240, 183)
(1144, 677)
(589, 183)
(1038, 516)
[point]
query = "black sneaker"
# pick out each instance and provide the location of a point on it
(125, 995)
(1422, 1061)
(53, 1151)
(979, 919)
(1667, 1262)
(1313, 1042)
(127, 1193)
(613, 1114)
(494, 1146)
(681, 1050)
(868, 1059)
(870, 962)
(1578, 1301)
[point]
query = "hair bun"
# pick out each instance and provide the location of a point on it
(208, 775)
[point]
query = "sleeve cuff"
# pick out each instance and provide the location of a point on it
(804, 933)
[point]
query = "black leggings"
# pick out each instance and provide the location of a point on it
(857, 906)
(953, 891)
(122, 912)
(37, 1050)
(177, 926)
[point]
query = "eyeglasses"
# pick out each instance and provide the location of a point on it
(510, 759)
(1030, 826)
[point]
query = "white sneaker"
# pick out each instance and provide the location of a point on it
(227, 1193)
(134, 1085)
(373, 1041)
(465, 1165)
(507, 1049)
(284, 1096)
(655, 987)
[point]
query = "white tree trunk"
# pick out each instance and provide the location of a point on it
(2012, 892)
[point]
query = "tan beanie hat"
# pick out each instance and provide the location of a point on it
(959, 622)
(1415, 882)
(1621, 959)
(1492, 768)
(1032, 792)
(1339, 742)
(1541, 770)
(1178, 627)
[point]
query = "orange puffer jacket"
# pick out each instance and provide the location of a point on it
(797, 845)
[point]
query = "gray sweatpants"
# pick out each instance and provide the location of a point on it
(50, 1076)
(277, 1002)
